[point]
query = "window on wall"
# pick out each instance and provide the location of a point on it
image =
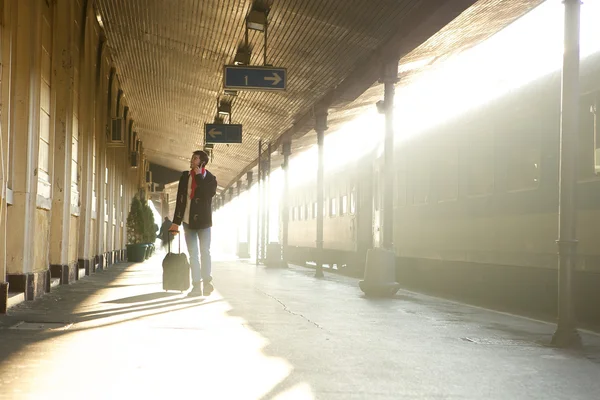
(589, 137)
(44, 153)
(334, 204)
(93, 171)
(376, 191)
(480, 162)
(594, 109)
(352, 202)
(446, 171)
(344, 205)
(401, 183)
(302, 213)
(523, 156)
(421, 177)
(106, 193)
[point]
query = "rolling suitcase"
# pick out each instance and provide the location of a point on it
(176, 270)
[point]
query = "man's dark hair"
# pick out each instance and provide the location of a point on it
(203, 156)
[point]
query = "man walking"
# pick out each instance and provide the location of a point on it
(164, 233)
(194, 208)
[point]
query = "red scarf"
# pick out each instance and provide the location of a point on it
(193, 174)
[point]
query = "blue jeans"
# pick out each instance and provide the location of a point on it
(193, 238)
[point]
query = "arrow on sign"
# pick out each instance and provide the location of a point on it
(275, 79)
(213, 132)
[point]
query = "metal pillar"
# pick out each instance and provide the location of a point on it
(259, 205)
(380, 267)
(320, 127)
(267, 192)
(249, 216)
(262, 228)
(389, 78)
(285, 203)
(566, 334)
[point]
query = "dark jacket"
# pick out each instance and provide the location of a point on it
(201, 204)
(164, 233)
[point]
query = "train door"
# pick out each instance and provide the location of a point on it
(362, 208)
(376, 202)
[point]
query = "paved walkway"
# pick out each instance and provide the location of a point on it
(276, 334)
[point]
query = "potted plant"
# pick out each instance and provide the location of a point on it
(136, 246)
(149, 235)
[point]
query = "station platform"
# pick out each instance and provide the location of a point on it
(276, 334)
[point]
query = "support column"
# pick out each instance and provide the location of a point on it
(259, 204)
(100, 129)
(86, 143)
(380, 267)
(60, 221)
(125, 203)
(390, 77)
(21, 215)
(267, 200)
(320, 127)
(566, 334)
(248, 215)
(110, 161)
(285, 203)
(118, 204)
(101, 194)
(238, 243)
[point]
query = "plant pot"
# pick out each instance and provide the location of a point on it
(136, 252)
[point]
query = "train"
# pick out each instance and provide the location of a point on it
(475, 204)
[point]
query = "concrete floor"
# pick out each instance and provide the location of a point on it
(276, 334)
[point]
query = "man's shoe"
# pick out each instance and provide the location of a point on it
(208, 288)
(196, 291)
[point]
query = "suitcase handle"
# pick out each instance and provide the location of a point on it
(169, 243)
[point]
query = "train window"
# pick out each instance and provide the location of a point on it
(344, 205)
(523, 166)
(589, 137)
(291, 217)
(401, 184)
(314, 210)
(295, 213)
(302, 217)
(446, 172)
(376, 192)
(421, 178)
(594, 111)
(325, 207)
(352, 202)
(480, 163)
(334, 201)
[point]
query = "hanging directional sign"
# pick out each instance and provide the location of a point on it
(256, 78)
(222, 133)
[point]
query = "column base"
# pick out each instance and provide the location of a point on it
(380, 274)
(32, 285)
(3, 297)
(566, 338)
(85, 265)
(99, 262)
(66, 273)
